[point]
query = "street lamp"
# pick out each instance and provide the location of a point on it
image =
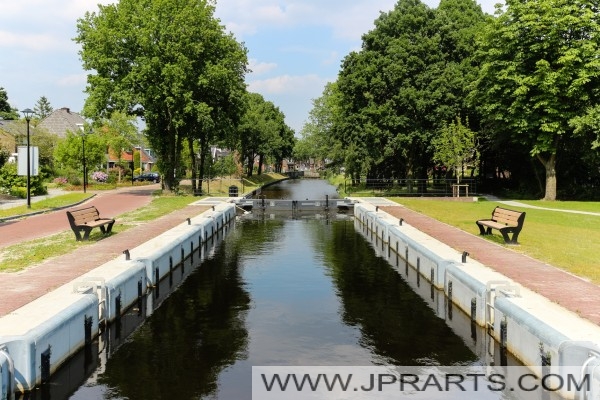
(28, 114)
(82, 129)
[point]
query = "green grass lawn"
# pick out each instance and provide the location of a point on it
(19, 256)
(564, 240)
(46, 204)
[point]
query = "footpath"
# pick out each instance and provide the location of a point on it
(17, 289)
(20, 288)
(574, 293)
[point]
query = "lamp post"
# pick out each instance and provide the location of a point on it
(28, 113)
(82, 128)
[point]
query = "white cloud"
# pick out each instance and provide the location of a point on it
(73, 80)
(259, 68)
(32, 42)
(287, 84)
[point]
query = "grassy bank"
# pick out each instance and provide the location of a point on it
(17, 257)
(46, 204)
(565, 240)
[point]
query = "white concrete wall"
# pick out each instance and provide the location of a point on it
(55, 322)
(532, 328)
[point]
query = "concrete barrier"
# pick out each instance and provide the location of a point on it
(43, 334)
(38, 338)
(537, 332)
(7, 375)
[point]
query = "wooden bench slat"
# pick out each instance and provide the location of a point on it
(85, 219)
(506, 221)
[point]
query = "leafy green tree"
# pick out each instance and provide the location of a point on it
(69, 151)
(263, 133)
(225, 166)
(6, 111)
(387, 110)
(119, 132)
(539, 74)
(170, 63)
(42, 108)
(455, 146)
(317, 135)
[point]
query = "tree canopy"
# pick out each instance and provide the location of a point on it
(168, 62)
(539, 75)
(6, 111)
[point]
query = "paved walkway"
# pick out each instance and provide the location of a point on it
(20, 288)
(572, 292)
(17, 289)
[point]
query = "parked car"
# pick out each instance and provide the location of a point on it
(148, 177)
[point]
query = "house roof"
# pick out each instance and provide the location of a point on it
(62, 120)
(10, 130)
(127, 156)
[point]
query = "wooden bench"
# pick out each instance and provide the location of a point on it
(504, 220)
(84, 220)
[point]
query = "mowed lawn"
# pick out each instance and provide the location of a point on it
(565, 240)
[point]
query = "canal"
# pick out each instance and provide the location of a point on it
(275, 291)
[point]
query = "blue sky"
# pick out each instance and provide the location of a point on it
(295, 47)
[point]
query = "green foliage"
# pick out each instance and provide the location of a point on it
(225, 166)
(16, 185)
(42, 108)
(539, 73)
(263, 133)
(317, 135)
(4, 155)
(119, 132)
(69, 151)
(6, 111)
(406, 83)
(177, 69)
(455, 146)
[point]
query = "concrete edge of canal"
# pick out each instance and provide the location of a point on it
(541, 334)
(38, 338)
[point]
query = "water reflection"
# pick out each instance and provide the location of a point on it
(300, 189)
(276, 292)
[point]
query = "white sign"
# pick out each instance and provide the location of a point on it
(33, 161)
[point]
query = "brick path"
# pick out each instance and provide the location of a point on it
(20, 288)
(571, 292)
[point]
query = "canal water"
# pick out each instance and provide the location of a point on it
(277, 291)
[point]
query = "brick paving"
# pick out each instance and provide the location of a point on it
(20, 288)
(17, 289)
(570, 291)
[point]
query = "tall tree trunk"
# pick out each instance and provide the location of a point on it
(249, 165)
(550, 166)
(192, 163)
(204, 151)
(260, 164)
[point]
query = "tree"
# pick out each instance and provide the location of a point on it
(539, 73)
(455, 146)
(6, 111)
(69, 151)
(408, 81)
(42, 108)
(168, 62)
(262, 133)
(317, 135)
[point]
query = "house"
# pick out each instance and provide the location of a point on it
(127, 156)
(7, 137)
(62, 120)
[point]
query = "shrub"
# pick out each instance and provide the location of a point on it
(75, 180)
(60, 181)
(100, 176)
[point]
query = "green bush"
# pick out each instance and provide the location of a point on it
(9, 180)
(19, 191)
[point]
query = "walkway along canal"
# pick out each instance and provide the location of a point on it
(326, 289)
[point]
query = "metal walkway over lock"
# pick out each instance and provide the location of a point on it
(268, 206)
